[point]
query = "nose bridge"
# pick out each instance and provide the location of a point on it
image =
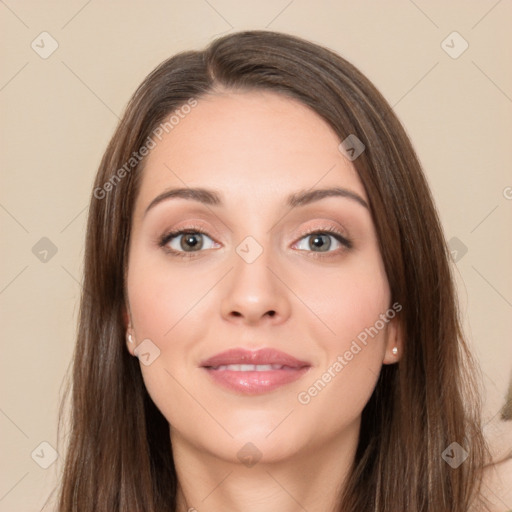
(252, 262)
(254, 253)
(254, 289)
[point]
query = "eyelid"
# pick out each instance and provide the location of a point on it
(325, 228)
(163, 240)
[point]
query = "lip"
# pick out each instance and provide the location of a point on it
(261, 356)
(254, 382)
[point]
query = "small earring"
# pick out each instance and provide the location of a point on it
(129, 338)
(395, 351)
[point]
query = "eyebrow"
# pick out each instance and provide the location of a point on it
(297, 199)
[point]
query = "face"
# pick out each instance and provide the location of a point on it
(256, 272)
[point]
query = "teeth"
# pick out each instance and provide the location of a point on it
(249, 367)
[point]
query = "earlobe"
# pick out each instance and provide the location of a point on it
(130, 342)
(394, 343)
(129, 335)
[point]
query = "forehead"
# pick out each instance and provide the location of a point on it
(255, 146)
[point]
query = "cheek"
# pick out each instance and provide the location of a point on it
(165, 309)
(162, 295)
(353, 307)
(346, 300)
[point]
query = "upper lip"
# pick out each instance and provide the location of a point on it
(261, 356)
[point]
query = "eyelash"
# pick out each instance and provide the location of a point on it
(167, 237)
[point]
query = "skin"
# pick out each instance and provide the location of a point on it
(256, 148)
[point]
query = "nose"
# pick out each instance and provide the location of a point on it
(256, 292)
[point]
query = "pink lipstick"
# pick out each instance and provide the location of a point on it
(254, 372)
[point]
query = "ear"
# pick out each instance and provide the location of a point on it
(129, 333)
(394, 339)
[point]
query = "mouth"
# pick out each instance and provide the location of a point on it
(254, 372)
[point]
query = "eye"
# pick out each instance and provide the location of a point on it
(188, 240)
(321, 240)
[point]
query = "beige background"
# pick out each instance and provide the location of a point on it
(58, 114)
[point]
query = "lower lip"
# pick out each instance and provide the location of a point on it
(254, 383)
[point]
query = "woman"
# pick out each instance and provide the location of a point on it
(268, 319)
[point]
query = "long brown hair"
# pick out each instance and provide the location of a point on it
(119, 456)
